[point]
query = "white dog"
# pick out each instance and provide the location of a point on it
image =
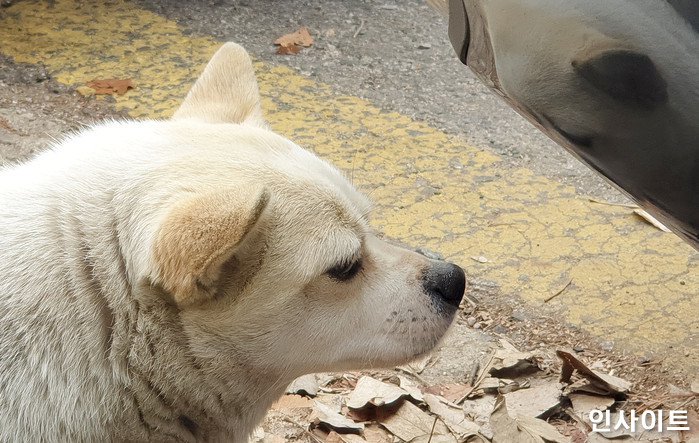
(165, 280)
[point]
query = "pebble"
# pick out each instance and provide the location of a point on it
(578, 348)
(499, 329)
(471, 321)
(424, 46)
(477, 326)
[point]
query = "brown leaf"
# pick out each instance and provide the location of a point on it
(451, 391)
(522, 429)
(372, 391)
(288, 49)
(298, 38)
(291, 402)
(325, 415)
(409, 422)
(538, 401)
(597, 382)
(376, 434)
(111, 85)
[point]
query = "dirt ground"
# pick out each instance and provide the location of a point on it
(35, 110)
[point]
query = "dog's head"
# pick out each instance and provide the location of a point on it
(268, 255)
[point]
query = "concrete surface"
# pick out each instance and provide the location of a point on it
(448, 166)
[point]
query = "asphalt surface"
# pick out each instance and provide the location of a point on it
(381, 94)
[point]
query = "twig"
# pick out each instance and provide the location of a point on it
(303, 428)
(414, 375)
(434, 423)
(479, 379)
(548, 299)
(601, 202)
(361, 25)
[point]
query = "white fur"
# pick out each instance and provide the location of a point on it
(102, 335)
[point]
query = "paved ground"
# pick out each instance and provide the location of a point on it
(381, 95)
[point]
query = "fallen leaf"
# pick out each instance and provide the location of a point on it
(583, 404)
(375, 392)
(452, 392)
(291, 43)
(434, 439)
(454, 418)
(306, 384)
(512, 364)
(375, 434)
(288, 49)
(291, 402)
(596, 382)
(409, 422)
(326, 416)
(110, 85)
(300, 38)
(333, 437)
(411, 388)
(521, 429)
(479, 410)
(538, 401)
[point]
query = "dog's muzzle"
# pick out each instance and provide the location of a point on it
(445, 282)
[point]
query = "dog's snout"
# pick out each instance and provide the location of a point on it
(446, 281)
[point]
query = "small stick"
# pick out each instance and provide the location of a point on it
(361, 25)
(479, 380)
(601, 202)
(434, 423)
(548, 299)
(303, 428)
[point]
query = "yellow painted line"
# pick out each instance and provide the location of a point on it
(630, 282)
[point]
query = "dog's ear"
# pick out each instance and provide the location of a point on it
(226, 92)
(627, 76)
(199, 235)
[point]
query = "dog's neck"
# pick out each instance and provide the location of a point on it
(207, 407)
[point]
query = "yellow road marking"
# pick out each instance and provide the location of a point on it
(630, 282)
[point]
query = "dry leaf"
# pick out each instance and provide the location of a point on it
(596, 382)
(454, 418)
(306, 384)
(111, 85)
(409, 422)
(375, 434)
(325, 415)
(535, 402)
(583, 404)
(333, 437)
(522, 429)
(411, 388)
(512, 364)
(372, 391)
(291, 402)
(299, 38)
(452, 392)
(288, 49)
(291, 43)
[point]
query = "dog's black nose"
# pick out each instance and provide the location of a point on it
(446, 281)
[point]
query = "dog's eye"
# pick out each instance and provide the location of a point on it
(345, 271)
